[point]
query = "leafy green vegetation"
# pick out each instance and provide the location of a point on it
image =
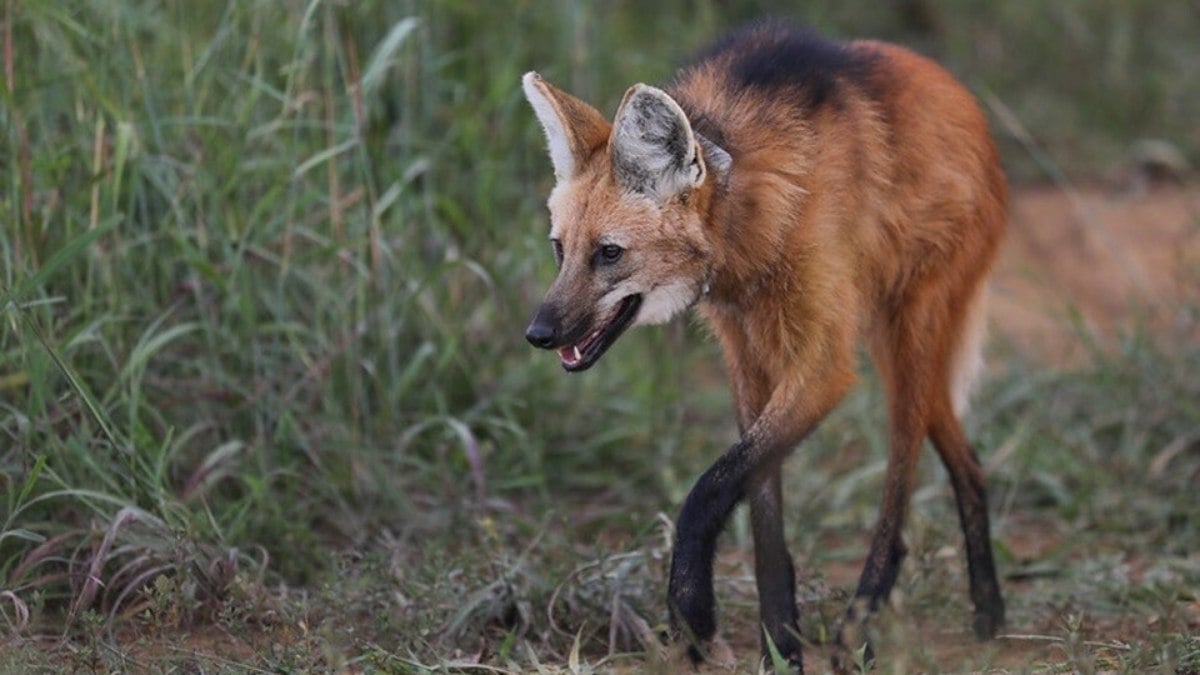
(264, 270)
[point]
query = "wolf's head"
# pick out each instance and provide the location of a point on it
(627, 217)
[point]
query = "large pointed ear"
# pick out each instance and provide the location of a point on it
(716, 160)
(573, 128)
(655, 152)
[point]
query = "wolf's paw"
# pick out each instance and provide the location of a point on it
(788, 647)
(713, 655)
(852, 651)
(988, 621)
(693, 616)
(851, 657)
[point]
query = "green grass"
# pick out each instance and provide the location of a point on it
(264, 269)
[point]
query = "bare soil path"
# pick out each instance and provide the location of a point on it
(1111, 260)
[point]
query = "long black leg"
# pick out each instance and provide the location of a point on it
(705, 511)
(887, 550)
(773, 569)
(971, 495)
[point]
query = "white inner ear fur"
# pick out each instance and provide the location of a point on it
(654, 150)
(556, 133)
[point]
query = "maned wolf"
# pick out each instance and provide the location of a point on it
(801, 193)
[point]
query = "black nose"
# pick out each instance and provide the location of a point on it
(540, 334)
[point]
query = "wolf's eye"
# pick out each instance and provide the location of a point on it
(558, 253)
(610, 253)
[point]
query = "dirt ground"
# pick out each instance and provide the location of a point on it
(1109, 261)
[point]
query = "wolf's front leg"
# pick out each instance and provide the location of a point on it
(690, 589)
(787, 418)
(773, 571)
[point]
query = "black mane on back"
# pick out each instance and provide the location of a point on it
(792, 61)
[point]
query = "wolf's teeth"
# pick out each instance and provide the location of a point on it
(578, 356)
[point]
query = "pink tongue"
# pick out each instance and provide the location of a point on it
(570, 355)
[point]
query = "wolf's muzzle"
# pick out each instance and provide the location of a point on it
(543, 330)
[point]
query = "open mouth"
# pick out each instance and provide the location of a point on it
(581, 355)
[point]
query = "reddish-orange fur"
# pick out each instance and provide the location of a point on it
(853, 225)
(875, 216)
